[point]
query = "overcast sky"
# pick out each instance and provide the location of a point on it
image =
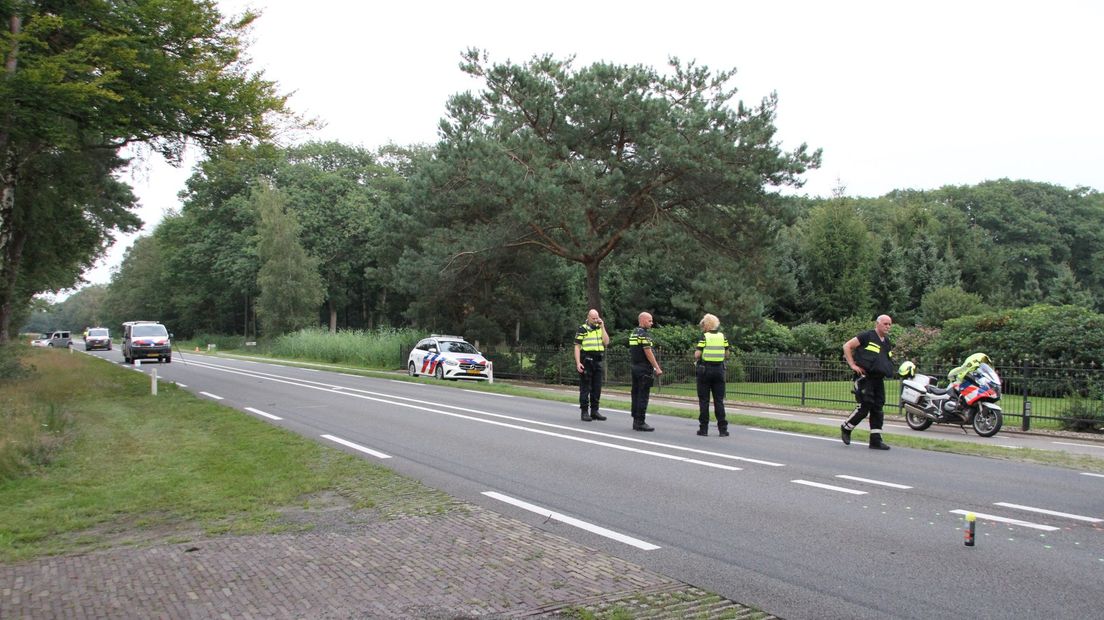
(897, 94)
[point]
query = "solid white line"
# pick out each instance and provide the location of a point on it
(833, 419)
(1050, 512)
(211, 395)
(829, 487)
(179, 384)
(345, 374)
(488, 393)
(1034, 526)
(583, 525)
(878, 482)
(1004, 445)
(1085, 473)
(355, 446)
(393, 400)
(261, 413)
(767, 430)
(1080, 445)
(788, 415)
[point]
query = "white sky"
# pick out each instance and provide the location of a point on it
(898, 94)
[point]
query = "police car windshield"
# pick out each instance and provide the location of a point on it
(455, 346)
(138, 331)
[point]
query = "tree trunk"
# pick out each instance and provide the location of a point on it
(11, 246)
(594, 296)
(333, 317)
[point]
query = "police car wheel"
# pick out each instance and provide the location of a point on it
(410, 370)
(440, 372)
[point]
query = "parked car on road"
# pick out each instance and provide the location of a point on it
(43, 340)
(97, 338)
(448, 357)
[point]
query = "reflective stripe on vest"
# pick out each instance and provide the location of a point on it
(873, 347)
(714, 349)
(592, 340)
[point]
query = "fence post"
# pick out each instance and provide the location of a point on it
(804, 360)
(1025, 424)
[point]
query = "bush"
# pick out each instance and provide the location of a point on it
(768, 337)
(1084, 416)
(1071, 333)
(948, 302)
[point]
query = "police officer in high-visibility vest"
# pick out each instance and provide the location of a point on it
(710, 354)
(590, 345)
(870, 355)
(645, 368)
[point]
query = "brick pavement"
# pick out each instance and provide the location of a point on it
(467, 562)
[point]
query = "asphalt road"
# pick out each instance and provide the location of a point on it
(800, 526)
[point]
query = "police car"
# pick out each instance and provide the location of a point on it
(448, 357)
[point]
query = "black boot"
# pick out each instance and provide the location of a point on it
(703, 430)
(597, 416)
(876, 442)
(845, 434)
(586, 416)
(723, 432)
(640, 426)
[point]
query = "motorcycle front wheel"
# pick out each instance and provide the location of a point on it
(916, 421)
(988, 421)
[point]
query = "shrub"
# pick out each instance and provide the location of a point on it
(948, 302)
(768, 337)
(1072, 333)
(1084, 416)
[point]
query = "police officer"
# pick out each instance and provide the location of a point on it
(869, 355)
(645, 369)
(590, 344)
(710, 354)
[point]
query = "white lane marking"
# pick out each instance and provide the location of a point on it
(583, 525)
(1034, 526)
(1080, 445)
(787, 415)
(261, 413)
(1085, 473)
(488, 393)
(900, 426)
(179, 384)
(309, 370)
(393, 400)
(345, 374)
(767, 430)
(829, 487)
(1052, 513)
(356, 446)
(1004, 445)
(210, 395)
(397, 381)
(878, 482)
(833, 419)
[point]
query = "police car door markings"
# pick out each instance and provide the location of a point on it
(555, 516)
(349, 392)
(1064, 515)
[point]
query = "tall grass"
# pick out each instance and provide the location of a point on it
(379, 348)
(34, 411)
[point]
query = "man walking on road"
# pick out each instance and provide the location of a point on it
(645, 369)
(591, 341)
(868, 354)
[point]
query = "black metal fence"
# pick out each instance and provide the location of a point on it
(1046, 394)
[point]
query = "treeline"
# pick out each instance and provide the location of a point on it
(554, 189)
(385, 260)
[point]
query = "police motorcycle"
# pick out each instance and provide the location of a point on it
(973, 400)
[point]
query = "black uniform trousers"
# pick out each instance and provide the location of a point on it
(870, 394)
(711, 381)
(590, 382)
(642, 380)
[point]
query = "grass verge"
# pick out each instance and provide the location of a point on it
(128, 467)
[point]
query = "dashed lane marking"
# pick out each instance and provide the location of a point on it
(893, 485)
(1080, 445)
(210, 395)
(261, 413)
(829, 487)
(356, 446)
(1052, 513)
(998, 519)
(1085, 473)
(583, 525)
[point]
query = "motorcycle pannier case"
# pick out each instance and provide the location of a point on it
(913, 389)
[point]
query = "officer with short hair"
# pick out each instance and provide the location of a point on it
(869, 354)
(710, 355)
(645, 368)
(591, 340)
